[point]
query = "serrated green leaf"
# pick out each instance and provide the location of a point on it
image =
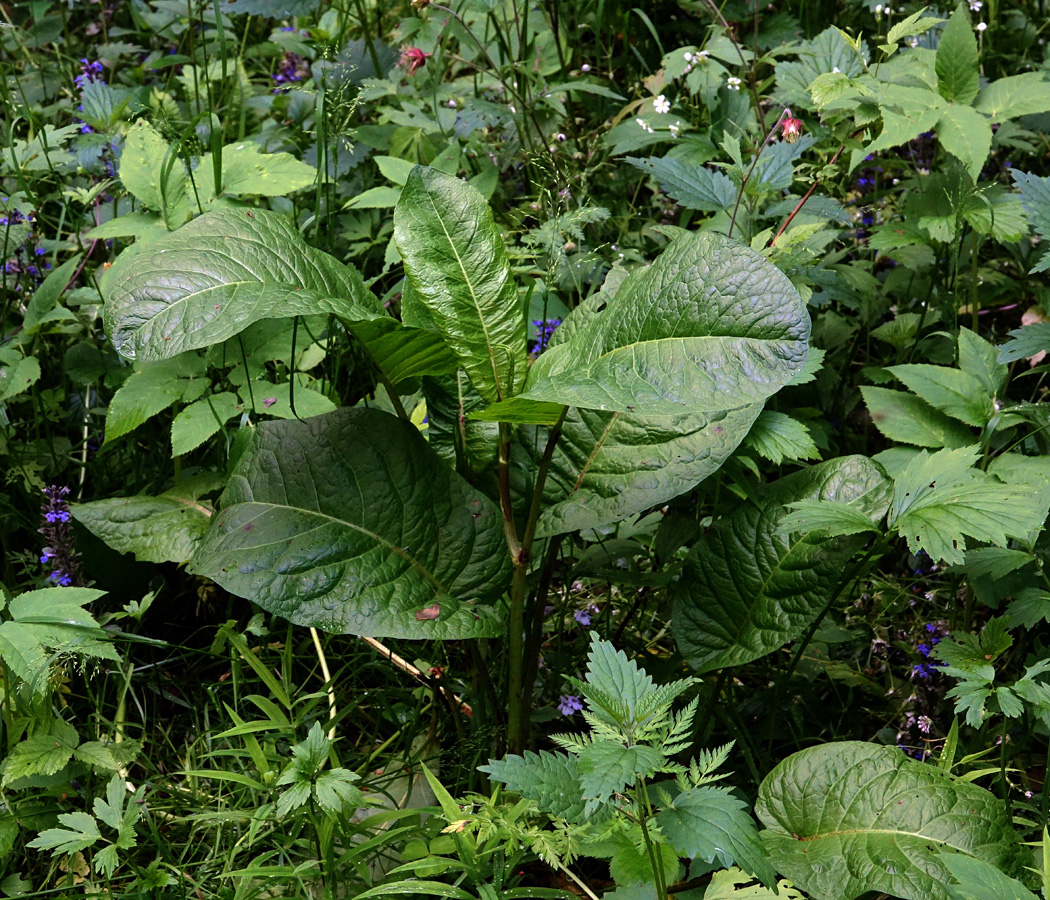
(200, 420)
(710, 325)
(733, 884)
(606, 768)
(915, 24)
(747, 589)
(43, 753)
(457, 263)
(550, 779)
(151, 388)
(48, 294)
(940, 498)
(835, 519)
(18, 377)
(629, 864)
(1016, 95)
(349, 522)
(952, 391)
(712, 824)
(847, 818)
(911, 420)
(980, 358)
(80, 832)
(217, 275)
(691, 187)
(957, 58)
(1028, 340)
(98, 755)
(967, 135)
(777, 436)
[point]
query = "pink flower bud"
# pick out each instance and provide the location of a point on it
(791, 128)
(412, 58)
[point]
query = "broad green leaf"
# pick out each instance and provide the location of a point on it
(217, 275)
(200, 420)
(1016, 95)
(975, 879)
(835, 519)
(847, 818)
(710, 325)
(915, 24)
(994, 210)
(631, 867)
(456, 261)
(98, 755)
(691, 187)
(155, 529)
(911, 420)
(152, 171)
(152, 388)
(608, 466)
(402, 352)
(18, 377)
(733, 884)
(901, 127)
(957, 59)
(941, 498)
(48, 294)
(520, 412)
(829, 51)
(966, 134)
(79, 833)
(711, 824)
(245, 170)
(349, 522)
(606, 768)
(465, 444)
(550, 779)
(952, 391)
(747, 589)
(776, 436)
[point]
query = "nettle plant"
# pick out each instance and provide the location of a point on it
(353, 522)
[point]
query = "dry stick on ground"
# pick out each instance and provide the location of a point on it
(418, 674)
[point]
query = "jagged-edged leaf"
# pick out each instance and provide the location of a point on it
(608, 466)
(1028, 340)
(351, 523)
(776, 436)
(151, 388)
(1016, 95)
(957, 59)
(458, 266)
(606, 768)
(217, 275)
(941, 498)
(712, 824)
(156, 529)
(1035, 197)
(952, 391)
(43, 753)
(710, 325)
(201, 419)
(910, 419)
(979, 358)
(80, 832)
(747, 589)
(551, 779)
(49, 620)
(18, 376)
(692, 187)
(966, 134)
(846, 818)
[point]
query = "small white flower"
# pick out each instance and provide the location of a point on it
(878, 10)
(451, 104)
(702, 56)
(674, 129)
(585, 68)
(835, 70)
(640, 121)
(560, 136)
(981, 26)
(512, 109)
(662, 105)
(733, 83)
(688, 56)
(975, 5)
(913, 42)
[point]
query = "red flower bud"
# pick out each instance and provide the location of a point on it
(791, 128)
(412, 58)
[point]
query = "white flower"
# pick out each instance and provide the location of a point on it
(878, 10)
(642, 124)
(703, 56)
(674, 129)
(585, 68)
(451, 104)
(662, 105)
(975, 5)
(733, 83)
(835, 70)
(981, 26)
(688, 56)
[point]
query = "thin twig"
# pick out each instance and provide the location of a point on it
(327, 680)
(418, 674)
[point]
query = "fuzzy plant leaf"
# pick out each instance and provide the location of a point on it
(552, 780)
(151, 388)
(43, 753)
(748, 588)
(457, 264)
(690, 186)
(710, 325)
(217, 275)
(349, 522)
(957, 59)
(954, 392)
(844, 819)
(904, 417)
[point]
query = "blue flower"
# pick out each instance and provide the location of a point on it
(569, 704)
(582, 616)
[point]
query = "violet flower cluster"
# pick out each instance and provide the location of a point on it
(928, 667)
(60, 553)
(292, 68)
(25, 260)
(544, 331)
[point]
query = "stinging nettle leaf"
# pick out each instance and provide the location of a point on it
(458, 266)
(843, 819)
(351, 523)
(710, 325)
